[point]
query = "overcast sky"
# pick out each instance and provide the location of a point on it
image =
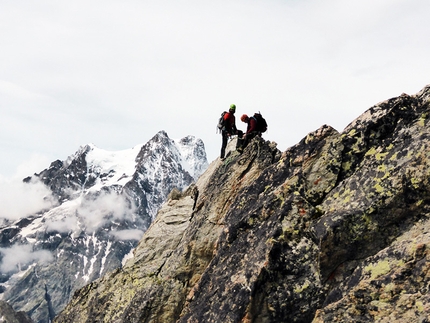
(114, 73)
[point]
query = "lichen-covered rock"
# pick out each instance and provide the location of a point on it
(335, 229)
(391, 286)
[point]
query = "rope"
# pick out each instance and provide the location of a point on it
(223, 167)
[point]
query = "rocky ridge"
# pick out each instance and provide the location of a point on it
(334, 229)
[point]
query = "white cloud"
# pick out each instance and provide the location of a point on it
(106, 207)
(18, 256)
(19, 199)
(90, 212)
(132, 234)
(68, 223)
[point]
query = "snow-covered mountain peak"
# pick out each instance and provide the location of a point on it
(103, 201)
(98, 168)
(193, 155)
(111, 167)
(189, 152)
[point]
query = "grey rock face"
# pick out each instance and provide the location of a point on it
(104, 203)
(8, 315)
(335, 229)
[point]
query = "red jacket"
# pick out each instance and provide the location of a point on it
(230, 123)
(252, 125)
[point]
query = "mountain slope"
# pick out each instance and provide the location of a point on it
(104, 201)
(335, 229)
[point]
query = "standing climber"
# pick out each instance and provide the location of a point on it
(251, 132)
(228, 127)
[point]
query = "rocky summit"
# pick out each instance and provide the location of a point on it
(334, 229)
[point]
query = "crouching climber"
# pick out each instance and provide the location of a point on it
(256, 125)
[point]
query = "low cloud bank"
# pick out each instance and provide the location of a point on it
(108, 206)
(18, 257)
(19, 199)
(132, 234)
(91, 213)
(66, 224)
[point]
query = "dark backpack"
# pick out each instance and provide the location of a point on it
(261, 122)
(221, 121)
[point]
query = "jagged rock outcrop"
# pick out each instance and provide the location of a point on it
(335, 229)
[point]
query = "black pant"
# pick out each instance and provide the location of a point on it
(224, 143)
(242, 143)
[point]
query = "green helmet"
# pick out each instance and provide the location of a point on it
(233, 107)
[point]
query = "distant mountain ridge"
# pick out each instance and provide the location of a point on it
(103, 202)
